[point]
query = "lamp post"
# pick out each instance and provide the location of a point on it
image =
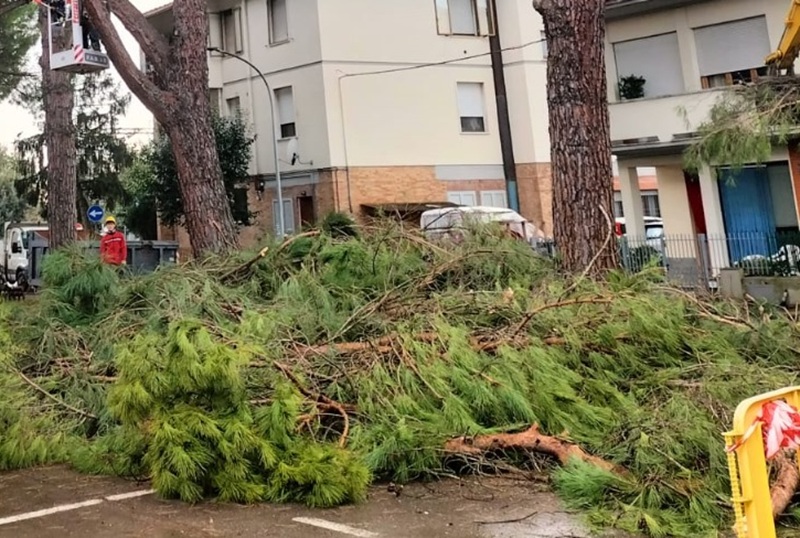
(275, 135)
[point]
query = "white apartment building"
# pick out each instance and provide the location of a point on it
(689, 52)
(383, 102)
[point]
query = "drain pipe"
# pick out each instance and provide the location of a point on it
(503, 119)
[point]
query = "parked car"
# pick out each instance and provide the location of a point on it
(452, 222)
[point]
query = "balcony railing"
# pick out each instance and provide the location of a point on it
(660, 120)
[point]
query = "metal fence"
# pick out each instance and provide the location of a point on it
(694, 261)
(143, 256)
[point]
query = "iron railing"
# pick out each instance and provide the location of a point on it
(696, 260)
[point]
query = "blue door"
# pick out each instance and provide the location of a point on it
(747, 212)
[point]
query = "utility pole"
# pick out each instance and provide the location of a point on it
(503, 119)
(275, 136)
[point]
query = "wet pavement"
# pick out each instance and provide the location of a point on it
(60, 503)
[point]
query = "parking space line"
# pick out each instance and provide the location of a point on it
(67, 507)
(336, 527)
(131, 495)
(48, 511)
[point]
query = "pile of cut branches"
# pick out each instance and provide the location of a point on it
(310, 370)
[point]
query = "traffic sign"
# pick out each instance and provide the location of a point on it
(95, 213)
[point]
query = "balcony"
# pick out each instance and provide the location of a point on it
(660, 125)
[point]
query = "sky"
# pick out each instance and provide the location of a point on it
(15, 121)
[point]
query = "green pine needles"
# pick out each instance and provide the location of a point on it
(343, 359)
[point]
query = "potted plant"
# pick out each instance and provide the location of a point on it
(631, 87)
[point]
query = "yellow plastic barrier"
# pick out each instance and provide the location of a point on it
(752, 504)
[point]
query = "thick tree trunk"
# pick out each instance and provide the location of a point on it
(177, 94)
(61, 152)
(209, 221)
(579, 133)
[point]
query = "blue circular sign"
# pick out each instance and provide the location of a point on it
(95, 213)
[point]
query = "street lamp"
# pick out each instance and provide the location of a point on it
(275, 135)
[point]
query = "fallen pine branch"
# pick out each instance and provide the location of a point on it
(786, 484)
(530, 439)
(321, 400)
(57, 400)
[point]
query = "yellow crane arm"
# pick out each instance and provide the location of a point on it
(789, 47)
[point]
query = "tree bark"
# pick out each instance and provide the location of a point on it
(59, 134)
(177, 95)
(530, 439)
(786, 484)
(580, 138)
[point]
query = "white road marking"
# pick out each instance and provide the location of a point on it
(48, 511)
(131, 495)
(336, 527)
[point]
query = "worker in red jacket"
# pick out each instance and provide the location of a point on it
(113, 248)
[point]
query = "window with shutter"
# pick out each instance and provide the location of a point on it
(732, 51)
(494, 199)
(288, 215)
(466, 198)
(470, 107)
(657, 59)
(464, 17)
(278, 22)
(285, 104)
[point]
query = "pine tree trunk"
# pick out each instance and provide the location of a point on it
(579, 133)
(176, 92)
(207, 211)
(61, 152)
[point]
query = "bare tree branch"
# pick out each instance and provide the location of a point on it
(153, 98)
(154, 45)
(10, 5)
(19, 74)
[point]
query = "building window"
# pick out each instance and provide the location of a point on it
(466, 198)
(650, 205)
(241, 206)
(618, 211)
(233, 106)
(464, 17)
(284, 102)
(231, 29)
(278, 22)
(288, 215)
(494, 199)
(656, 59)
(470, 107)
(214, 99)
(732, 52)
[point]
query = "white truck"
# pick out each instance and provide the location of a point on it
(452, 222)
(16, 252)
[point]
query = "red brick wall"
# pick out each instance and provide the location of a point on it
(385, 185)
(535, 185)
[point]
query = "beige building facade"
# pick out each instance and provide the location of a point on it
(389, 102)
(689, 53)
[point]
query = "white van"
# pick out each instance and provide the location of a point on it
(451, 222)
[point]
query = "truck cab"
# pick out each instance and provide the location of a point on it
(15, 248)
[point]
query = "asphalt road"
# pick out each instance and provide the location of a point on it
(56, 502)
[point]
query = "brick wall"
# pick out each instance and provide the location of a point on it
(384, 185)
(535, 185)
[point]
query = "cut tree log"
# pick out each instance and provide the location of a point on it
(786, 484)
(530, 439)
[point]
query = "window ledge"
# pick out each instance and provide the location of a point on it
(286, 139)
(475, 133)
(279, 43)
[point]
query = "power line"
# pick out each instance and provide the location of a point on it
(443, 62)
